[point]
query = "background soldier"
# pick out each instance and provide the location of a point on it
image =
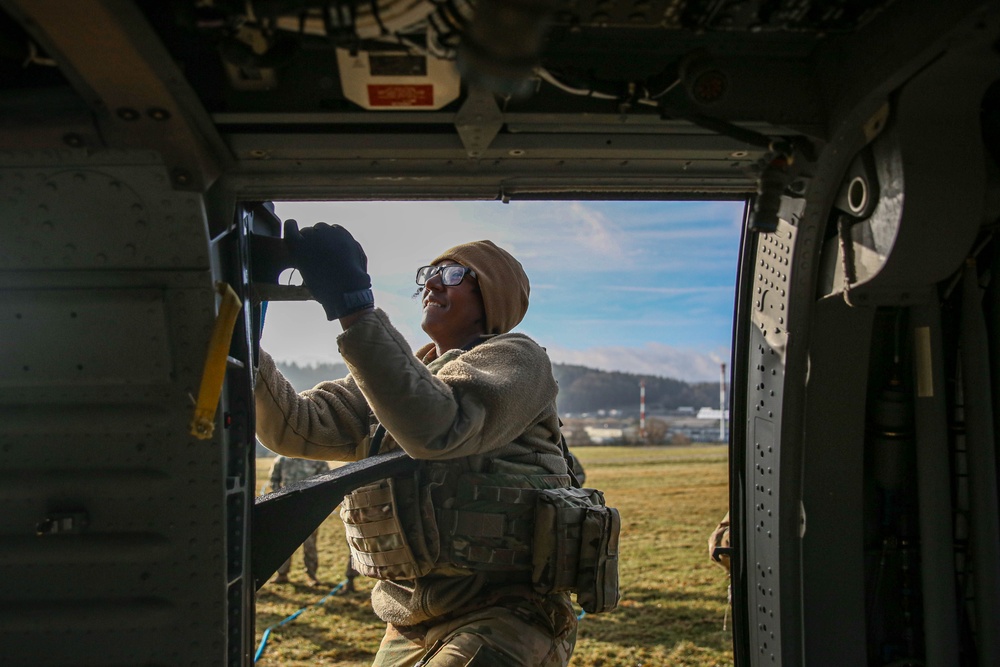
(284, 471)
(720, 539)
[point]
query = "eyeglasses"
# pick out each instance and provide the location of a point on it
(451, 274)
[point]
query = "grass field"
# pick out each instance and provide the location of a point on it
(673, 600)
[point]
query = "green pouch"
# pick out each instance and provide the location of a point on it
(575, 547)
(597, 582)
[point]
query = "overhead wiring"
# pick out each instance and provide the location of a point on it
(548, 77)
(637, 92)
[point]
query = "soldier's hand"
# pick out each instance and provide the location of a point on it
(333, 265)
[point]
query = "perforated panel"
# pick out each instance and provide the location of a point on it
(772, 269)
(766, 380)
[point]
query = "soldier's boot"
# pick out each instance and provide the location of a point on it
(350, 573)
(282, 576)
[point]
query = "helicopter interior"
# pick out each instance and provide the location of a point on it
(140, 141)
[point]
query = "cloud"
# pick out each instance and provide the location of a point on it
(670, 291)
(593, 235)
(661, 250)
(658, 359)
(639, 237)
(595, 231)
(299, 331)
(398, 236)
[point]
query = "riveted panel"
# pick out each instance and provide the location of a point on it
(102, 337)
(765, 539)
(762, 530)
(765, 378)
(143, 224)
(770, 290)
(113, 534)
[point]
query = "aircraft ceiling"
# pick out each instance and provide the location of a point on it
(646, 97)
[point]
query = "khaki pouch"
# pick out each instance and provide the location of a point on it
(387, 531)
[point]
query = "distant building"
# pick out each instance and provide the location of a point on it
(601, 434)
(703, 427)
(685, 410)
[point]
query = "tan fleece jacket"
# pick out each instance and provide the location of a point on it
(496, 401)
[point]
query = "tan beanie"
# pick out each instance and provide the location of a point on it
(502, 282)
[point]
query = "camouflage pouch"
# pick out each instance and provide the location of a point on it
(575, 547)
(386, 530)
(489, 527)
(597, 583)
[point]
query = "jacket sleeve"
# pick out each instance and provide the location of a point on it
(480, 401)
(328, 422)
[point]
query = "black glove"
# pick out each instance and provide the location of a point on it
(333, 265)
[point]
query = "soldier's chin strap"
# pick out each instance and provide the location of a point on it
(377, 438)
(282, 520)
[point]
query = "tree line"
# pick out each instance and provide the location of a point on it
(581, 389)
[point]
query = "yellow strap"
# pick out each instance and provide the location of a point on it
(214, 373)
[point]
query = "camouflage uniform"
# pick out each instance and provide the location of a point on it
(284, 471)
(532, 630)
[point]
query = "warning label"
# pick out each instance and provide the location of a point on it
(400, 95)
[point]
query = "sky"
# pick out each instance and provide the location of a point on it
(643, 287)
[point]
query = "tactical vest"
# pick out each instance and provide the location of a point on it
(515, 524)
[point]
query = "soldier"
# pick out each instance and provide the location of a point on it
(461, 581)
(719, 544)
(284, 471)
(719, 539)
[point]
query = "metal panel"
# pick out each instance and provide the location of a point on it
(765, 380)
(762, 554)
(146, 103)
(937, 552)
(103, 337)
(832, 546)
(111, 538)
(50, 211)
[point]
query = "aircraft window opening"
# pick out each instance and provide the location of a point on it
(578, 254)
(621, 292)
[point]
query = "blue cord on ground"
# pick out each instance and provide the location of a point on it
(289, 619)
(267, 632)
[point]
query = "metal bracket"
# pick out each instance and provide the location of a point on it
(478, 121)
(718, 553)
(284, 519)
(269, 256)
